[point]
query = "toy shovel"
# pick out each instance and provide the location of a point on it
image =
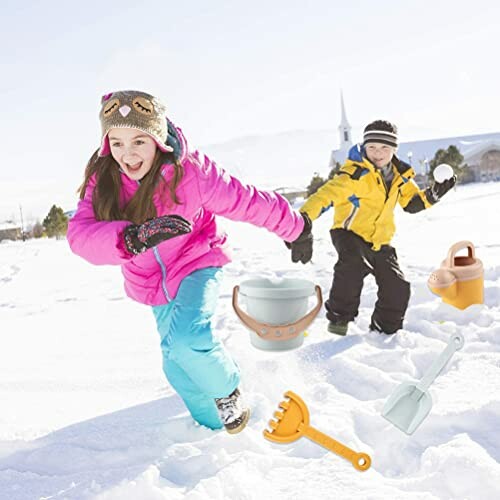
(293, 422)
(410, 403)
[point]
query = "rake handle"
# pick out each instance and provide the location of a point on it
(360, 461)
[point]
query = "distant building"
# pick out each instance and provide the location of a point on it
(484, 160)
(481, 152)
(10, 231)
(291, 193)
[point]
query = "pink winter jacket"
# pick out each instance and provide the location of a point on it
(154, 276)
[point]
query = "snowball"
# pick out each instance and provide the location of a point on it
(443, 172)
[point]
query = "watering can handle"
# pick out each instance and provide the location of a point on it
(360, 461)
(455, 343)
(277, 332)
(450, 259)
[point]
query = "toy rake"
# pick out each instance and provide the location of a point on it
(293, 423)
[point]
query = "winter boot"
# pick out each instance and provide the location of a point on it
(375, 327)
(231, 413)
(338, 327)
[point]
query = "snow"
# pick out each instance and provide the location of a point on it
(86, 411)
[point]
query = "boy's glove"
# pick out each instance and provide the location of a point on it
(139, 237)
(302, 247)
(435, 192)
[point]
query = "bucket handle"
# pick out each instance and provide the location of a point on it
(277, 332)
(450, 259)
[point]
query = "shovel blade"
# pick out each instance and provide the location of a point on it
(407, 407)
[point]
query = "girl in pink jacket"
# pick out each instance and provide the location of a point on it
(149, 205)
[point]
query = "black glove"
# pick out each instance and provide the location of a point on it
(302, 247)
(139, 237)
(435, 192)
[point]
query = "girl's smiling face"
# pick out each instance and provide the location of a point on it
(133, 150)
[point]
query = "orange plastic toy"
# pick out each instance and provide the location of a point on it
(459, 280)
(293, 422)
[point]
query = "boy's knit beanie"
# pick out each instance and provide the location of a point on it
(381, 131)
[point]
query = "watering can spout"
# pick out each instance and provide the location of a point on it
(443, 283)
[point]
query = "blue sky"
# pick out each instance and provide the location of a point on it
(229, 69)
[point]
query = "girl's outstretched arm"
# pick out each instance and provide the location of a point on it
(225, 195)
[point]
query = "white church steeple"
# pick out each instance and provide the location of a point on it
(339, 155)
(344, 127)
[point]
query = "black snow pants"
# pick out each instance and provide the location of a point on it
(356, 260)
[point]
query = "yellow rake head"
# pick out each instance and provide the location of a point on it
(291, 422)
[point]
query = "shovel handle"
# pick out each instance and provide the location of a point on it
(360, 461)
(455, 343)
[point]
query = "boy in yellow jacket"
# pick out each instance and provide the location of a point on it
(364, 193)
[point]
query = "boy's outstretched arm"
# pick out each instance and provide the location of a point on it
(325, 197)
(413, 199)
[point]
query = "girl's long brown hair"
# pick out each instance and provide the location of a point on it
(106, 195)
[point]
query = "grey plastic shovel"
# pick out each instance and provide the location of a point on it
(410, 403)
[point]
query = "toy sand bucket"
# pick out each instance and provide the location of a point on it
(276, 311)
(459, 280)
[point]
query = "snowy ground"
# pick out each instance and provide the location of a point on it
(86, 412)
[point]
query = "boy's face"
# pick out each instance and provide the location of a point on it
(379, 154)
(134, 151)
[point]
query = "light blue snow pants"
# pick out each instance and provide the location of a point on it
(197, 366)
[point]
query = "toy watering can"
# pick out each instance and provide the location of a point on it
(459, 280)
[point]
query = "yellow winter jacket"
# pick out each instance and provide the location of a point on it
(362, 203)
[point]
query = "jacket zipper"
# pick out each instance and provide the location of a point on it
(350, 218)
(163, 273)
(385, 186)
(386, 199)
(162, 267)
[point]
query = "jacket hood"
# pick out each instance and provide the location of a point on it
(356, 153)
(177, 141)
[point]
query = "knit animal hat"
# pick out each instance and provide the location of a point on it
(381, 131)
(133, 109)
